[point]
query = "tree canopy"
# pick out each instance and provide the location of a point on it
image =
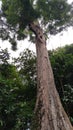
(16, 15)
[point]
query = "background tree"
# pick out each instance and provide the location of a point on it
(62, 64)
(26, 64)
(48, 108)
(16, 100)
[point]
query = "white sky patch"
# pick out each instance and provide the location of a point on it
(70, 1)
(60, 40)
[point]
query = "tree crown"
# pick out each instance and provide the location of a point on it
(53, 15)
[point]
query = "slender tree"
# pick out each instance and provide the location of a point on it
(53, 16)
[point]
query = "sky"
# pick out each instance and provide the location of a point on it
(59, 40)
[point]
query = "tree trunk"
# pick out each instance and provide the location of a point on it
(49, 113)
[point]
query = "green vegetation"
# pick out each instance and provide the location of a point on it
(62, 64)
(17, 94)
(54, 16)
(19, 19)
(18, 86)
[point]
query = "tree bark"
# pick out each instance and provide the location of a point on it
(49, 113)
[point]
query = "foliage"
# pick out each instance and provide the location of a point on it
(26, 63)
(16, 101)
(55, 13)
(54, 16)
(62, 64)
(4, 56)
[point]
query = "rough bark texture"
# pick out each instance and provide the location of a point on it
(49, 113)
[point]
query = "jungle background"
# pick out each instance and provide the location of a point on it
(18, 85)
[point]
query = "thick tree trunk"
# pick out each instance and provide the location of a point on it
(49, 113)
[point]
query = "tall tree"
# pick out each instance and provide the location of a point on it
(54, 15)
